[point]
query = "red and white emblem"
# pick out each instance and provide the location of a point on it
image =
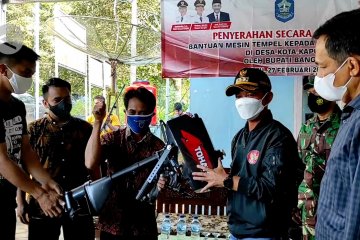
(253, 156)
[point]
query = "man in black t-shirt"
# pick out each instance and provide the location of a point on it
(262, 184)
(17, 65)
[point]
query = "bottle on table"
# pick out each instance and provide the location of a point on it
(195, 228)
(181, 227)
(165, 228)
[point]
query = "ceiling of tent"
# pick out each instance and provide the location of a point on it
(107, 39)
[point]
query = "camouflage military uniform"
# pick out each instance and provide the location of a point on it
(314, 144)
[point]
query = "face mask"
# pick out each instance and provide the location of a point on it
(341, 104)
(249, 108)
(317, 104)
(325, 86)
(19, 84)
(139, 123)
(61, 110)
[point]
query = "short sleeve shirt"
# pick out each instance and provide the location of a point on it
(13, 126)
(12, 129)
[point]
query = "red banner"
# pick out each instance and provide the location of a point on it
(213, 40)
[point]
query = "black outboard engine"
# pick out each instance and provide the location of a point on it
(185, 133)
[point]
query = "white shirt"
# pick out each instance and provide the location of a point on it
(185, 19)
(196, 19)
(217, 16)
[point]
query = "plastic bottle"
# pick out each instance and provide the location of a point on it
(181, 226)
(195, 227)
(165, 228)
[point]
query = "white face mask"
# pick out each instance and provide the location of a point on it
(325, 86)
(249, 108)
(341, 104)
(19, 84)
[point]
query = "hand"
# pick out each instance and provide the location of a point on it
(214, 177)
(21, 212)
(52, 185)
(161, 182)
(189, 114)
(295, 216)
(99, 111)
(50, 200)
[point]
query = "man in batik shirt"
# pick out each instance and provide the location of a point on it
(60, 140)
(124, 218)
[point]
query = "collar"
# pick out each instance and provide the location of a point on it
(53, 122)
(334, 116)
(349, 108)
(128, 135)
(332, 120)
(355, 103)
(266, 118)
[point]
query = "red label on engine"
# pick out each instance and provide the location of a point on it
(196, 149)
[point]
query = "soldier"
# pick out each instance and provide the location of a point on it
(183, 17)
(199, 8)
(314, 143)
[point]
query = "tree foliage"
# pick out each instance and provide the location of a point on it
(148, 15)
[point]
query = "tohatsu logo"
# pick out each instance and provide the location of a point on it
(200, 156)
(196, 149)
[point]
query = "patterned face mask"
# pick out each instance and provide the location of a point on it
(139, 123)
(318, 104)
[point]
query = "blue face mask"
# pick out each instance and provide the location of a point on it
(139, 123)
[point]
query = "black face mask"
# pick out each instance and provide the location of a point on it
(61, 110)
(317, 104)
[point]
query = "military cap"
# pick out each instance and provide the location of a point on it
(250, 80)
(216, 1)
(182, 3)
(308, 82)
(199, 3)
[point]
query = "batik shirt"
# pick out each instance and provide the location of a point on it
(12, 129)
(61, 149)
(314, 143)
(122, 215)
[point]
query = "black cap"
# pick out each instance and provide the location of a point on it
(182, 3)
(216, 1)
(178, 106)
(198, 3)
(308, 82)
(250, 80)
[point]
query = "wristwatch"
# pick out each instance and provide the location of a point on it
(229, 182)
